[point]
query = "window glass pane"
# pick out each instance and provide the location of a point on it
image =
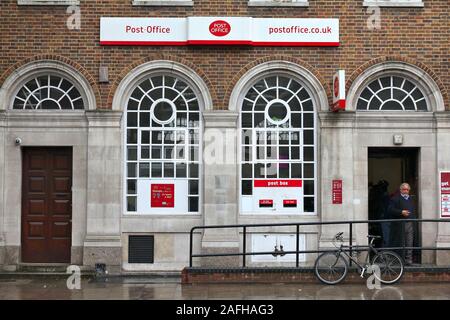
(144, 170)
(156, 137)
(145, 152)
(156, 152)
(308, 187)
(271, 170)
(144, 119)
(131, 186)
(284, 170)
(145, 137)
(169, 137)
(169, 153)
(296, 170)
(193, 186)
(156, 170)
(247, 187)
(309, 204)
(193, 170)
(131, 203)
(181, 170)
(132, 153)
(309, 170)
(131, 136)
(308, 137)
(246, 120)
(193, 154)
(180, 153)
(247, 171)
(296, 120)
(308, 120)
(169, 169)
(258, 169)
(193, 204)
(131, 169)
(295, 153)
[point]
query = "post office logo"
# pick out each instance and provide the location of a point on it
(219, 28)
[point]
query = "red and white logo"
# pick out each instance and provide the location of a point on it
(219, 28)
(336, 86)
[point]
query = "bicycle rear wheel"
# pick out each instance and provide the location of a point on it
(331, 267)
(391, 267)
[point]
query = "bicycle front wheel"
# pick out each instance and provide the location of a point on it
(331, 267)
(391, 267)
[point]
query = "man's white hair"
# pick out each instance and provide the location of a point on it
(404, 184)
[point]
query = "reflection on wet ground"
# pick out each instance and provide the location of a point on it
(171, 289)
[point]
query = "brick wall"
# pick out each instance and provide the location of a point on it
(417, 35)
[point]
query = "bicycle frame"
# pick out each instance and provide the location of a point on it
(361, 267)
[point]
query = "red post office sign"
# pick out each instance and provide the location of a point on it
(337, 192)
(445, 194)
(162, 195)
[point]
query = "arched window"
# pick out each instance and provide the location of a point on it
(163, 126)
(278, 165)
(48, 92)
(392, 93)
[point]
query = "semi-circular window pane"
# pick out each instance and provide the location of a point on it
(392, 93)
(48, 92)
(163, 142)
(277, 146)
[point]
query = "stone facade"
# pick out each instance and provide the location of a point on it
(411, 42)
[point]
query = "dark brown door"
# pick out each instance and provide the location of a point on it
(46, 205)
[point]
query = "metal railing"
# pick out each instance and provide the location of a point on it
(351, 248)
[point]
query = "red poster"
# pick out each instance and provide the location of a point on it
(337, 192)
(278, 183)
(445, 194)
(162, 195)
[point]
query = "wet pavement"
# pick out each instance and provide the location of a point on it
(123, 288)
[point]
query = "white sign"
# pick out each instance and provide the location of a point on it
(145, 194)
(219, 31)
(339, 91)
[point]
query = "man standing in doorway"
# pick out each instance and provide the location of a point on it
(401, 206)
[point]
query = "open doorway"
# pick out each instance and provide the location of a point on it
(388, 168)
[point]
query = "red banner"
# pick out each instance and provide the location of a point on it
(445, 194)
(162, 195)
(337, 192)
(278, 183)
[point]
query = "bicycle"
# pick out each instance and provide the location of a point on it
(331, 267)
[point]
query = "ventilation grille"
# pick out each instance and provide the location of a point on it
(140, 249)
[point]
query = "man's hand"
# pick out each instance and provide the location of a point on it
(405, 213)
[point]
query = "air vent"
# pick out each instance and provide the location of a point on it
(140, 249)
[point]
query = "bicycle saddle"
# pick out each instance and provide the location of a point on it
(375, 237)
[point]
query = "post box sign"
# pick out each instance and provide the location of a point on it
(162, 195)
(445, 194)
(275, 196)
(219, 31)
(337, 192)
(338, 91)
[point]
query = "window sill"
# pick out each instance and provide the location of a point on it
(162, 3)
(47, 2)
(280, 3)
(382, 3)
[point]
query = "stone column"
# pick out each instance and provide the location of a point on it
(336, 162)
(2, 185)
(443, 163)
(220, 176)
(104, 198)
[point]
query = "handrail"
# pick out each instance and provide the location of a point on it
(351, 247)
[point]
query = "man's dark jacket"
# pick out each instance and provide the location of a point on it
(396, 206)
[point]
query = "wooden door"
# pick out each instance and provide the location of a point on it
(46, 205)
